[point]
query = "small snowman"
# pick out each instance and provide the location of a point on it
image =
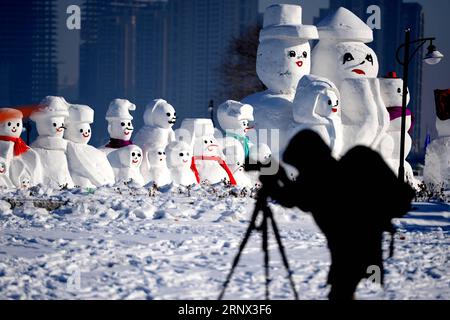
(158, 173)
(208, 157)
(234, 118)
(179, 162)
(120, 126)
(283, 58)
(235, 158)
(88, 166)
(50, 145)
(316, 107)
(6, 154)
(126, 164)
(342, 56)
(25, 161)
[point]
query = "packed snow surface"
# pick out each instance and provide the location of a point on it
(126, 242)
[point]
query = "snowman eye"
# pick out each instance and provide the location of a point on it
(292, 54)
(206, 141)
(133, 154)
(129, 124)
(54, 124)
(9, 124)
(399, 90)
(305, 54)
(164, 152)
(175, 114)
(369, 58)
(329, 102)
(211, 141)
(122, 124)
(81, 130)
(139, 155)
(168, 114)
(187, 153)
(347, 57)
(18, 124)
(181, 154)
(337, 102)
(89, 130)
(159, 152)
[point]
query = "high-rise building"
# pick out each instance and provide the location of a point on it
(28, 63)
(199, 35)
(122, 55)
(395, 17)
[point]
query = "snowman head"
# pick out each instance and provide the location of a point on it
(206, 146)
(78, 124)
(283, 55)
(235, 157)
(260, 153)
(160, 114)
(10, 122)
(130, 156)
(119, 119)
(157, 156)
(235, 117)
(392, 90)
(179, 155)
(327, 103)
(51, 117)
(53, 126)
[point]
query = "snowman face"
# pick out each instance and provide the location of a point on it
(181, 157)
(11, 128)
(52, 126)
(280, 64)
(356, 60)
(206, 146)
(135, 157)
(120, 129)
(164, 116)
(2, 167)
(25, 183)
(264, 153)
(78, 132)
(391, 92)
(327, 104)
(244, 126)
(157, 157)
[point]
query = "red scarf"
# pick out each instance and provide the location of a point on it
(221, 162)
(19, 145)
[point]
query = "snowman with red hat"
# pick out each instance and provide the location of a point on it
(24, 165)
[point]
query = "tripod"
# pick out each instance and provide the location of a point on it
(261, 206)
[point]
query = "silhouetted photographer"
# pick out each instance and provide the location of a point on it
(352, 200)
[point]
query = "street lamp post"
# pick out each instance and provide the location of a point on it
(432, 57)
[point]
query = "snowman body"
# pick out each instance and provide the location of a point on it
(126, 163)
(50, 144)
(179, 161)
(6, 155)
(88, 166)
(316, 107)
(158, 173)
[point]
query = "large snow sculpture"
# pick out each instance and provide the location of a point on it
(179, 160)
(88, 166)
(342, 57)
(50, 146)
(437, 158)
(24, 167)
(283, 57)
(316, 107)
(209, 162)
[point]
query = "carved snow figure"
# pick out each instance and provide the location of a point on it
(391, 92)
(6, 155)
(316, 107)
(126, 163)
(120, 126)
(88, 166)
(159, 118)
(235, 158)
(179, 160)
(25, 167)
(437, 158)
(209, 160)
(50, 122)
(158, 172)
(342, 57)
(283, 57)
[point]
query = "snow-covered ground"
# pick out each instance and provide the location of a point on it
(128, 243)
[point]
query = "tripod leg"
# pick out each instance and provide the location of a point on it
(265, 247)
(269, 214)
(241, 248)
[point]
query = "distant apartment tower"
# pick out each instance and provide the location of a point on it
(28, 63)
(199, 35)
(396, 16)
(122, 55)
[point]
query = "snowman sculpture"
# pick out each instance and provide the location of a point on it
(437, 157)
(120, 127)
(25, 167)
(88, 166)
(342, 56)
(159, 118)
(391, 92)
(50, 145)
(157, 171)
(235, 158)
(179, 161)
(283, 58)
(209, 161)
(316, 107)
(126, 163)
(6, 154)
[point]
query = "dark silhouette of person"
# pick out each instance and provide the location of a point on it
(352, 200)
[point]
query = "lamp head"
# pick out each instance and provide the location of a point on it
(433, 56)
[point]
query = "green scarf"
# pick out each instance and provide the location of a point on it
(244, 141)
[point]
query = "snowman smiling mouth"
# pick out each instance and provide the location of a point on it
(211, 147)
(358, 71)
(135, 161)
(86, 135)
(299, 63)
(14, 130)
